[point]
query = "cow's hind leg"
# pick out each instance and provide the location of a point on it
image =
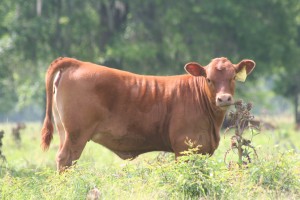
(69, 152)
(59, 126)
(62, 156)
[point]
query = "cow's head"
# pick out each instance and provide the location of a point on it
(220, 75)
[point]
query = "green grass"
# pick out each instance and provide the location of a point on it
(30, 173)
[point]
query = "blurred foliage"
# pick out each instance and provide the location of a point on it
(149, 37)
(30, 174)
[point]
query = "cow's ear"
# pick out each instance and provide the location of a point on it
(243, 69)
(195, 69)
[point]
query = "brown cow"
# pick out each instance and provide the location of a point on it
(132, 114)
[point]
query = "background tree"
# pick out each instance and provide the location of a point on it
(149, 37)
(288, 77)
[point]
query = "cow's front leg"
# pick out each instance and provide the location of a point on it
(180, 144)
(185, 142)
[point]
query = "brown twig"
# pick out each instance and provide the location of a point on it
(241, 119)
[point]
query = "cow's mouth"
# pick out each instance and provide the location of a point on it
(224, 104)
(224, 107)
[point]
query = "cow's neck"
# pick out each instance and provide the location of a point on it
(201, 95)
(215, 114)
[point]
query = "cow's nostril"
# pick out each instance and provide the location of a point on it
(229, 99)
(219, 99)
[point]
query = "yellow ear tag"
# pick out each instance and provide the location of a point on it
(241, 75)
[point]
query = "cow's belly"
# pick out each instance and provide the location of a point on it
(129, 145)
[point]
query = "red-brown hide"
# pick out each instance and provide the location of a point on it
(132, 114)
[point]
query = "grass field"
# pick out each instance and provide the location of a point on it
(30, 173)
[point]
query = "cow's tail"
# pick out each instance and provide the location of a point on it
(47, 130)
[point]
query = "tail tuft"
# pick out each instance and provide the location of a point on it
(47, 134)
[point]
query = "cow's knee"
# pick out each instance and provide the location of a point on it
(68, 154)
(63, 159)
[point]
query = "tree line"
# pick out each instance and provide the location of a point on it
(148, 37)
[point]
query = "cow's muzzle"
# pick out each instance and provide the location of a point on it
(224, 100)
